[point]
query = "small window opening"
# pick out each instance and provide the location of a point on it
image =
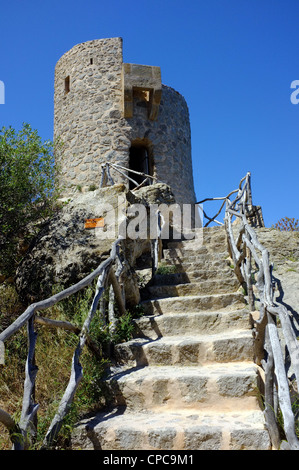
(67, 84)
(141, 97)
(139, 161)
(91, 61)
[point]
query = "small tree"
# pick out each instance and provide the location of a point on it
(27, 188)
(287, 224)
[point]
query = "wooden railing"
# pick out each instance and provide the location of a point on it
(251, 264)
(109, 275)
(123, 171)
(108, 272)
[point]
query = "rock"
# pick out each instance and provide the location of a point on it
(283, 247)
(65, 251)
(158, 193)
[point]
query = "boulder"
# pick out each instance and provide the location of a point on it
(66, 250)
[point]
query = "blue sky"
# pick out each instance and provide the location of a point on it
(232, 60)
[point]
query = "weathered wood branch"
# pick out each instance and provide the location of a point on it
(283, 386)
(156, 245)
(44, 304)
(110, 179)
(67, 399)
(217, 198)
(103, 176)
(141, 184)
(117, 292)
(14, 430)
(29, 408)
(210, 219)
(76, 370)
(247, 246)
(289, 335)
(65, 325)
(123, 174)
(269, 402)
(133, 171)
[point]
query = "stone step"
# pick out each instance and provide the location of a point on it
(221, 387)
(197, 264)
(179, 430)
(199, 245)
(155, 326)
(194, 303)
(196, 288)
(183, 277)
(193, 256)
(236, 345)
(198, 233)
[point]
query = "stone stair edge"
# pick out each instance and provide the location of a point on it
(188, 430)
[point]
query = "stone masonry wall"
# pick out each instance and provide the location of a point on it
(88, 117)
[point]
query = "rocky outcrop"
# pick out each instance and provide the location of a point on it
(65, 251)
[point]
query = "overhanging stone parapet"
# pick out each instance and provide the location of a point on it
(144, 79)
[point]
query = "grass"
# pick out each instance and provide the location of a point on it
(166, 269)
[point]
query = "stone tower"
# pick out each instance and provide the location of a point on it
(109, 111)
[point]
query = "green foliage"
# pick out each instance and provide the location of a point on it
(166, 269)
(27, 182)
(125, 328)
(287, 224)
(126, 325)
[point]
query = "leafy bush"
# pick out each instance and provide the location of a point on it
(27, 188)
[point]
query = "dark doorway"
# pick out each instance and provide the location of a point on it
(139, 161)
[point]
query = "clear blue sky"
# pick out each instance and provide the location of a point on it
(232, 60)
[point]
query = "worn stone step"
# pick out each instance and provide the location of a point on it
(222, 387)
(208, 233)
(183, 277)
(191, 255)
(209, 286)
(236, 345)
(155, 326)
(179, 430)
(197, 264)
(199, 246)
(193, 303)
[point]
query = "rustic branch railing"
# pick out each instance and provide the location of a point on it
(106, 175)
(27, 424)
(109, 273)
(246, 251)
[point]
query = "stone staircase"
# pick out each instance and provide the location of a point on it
(188, 380)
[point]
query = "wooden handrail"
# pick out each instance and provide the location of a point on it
(106, 275)
(29, 408)
(245, 248)
(106, 175)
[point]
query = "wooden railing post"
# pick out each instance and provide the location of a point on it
(28, 421)
(20, 433)
(243, 250)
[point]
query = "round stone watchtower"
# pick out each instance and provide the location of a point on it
(109, 111)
